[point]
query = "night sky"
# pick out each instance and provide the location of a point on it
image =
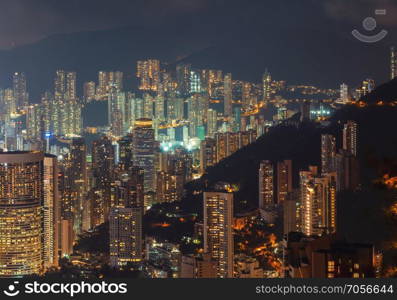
(305, 41)
(27, 21)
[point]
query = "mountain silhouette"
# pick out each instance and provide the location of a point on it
(324, 55)
(386, 92)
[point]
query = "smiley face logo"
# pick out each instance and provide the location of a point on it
(12, 290)
(369, 24)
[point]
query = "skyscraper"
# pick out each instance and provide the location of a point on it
(148, 71)
(233, 143)
(393, 63)
(307, 196)
(326, 202)
(103, 81)
(218, 232)
(69, 117)
(19, 89)
(282, 113)
(148, 102)
(103, 164)
(183, 73)
(266, 185)
(106, 79)
(125, 218)
(207, 154)
(9, 100)
(196, 113)
(212, 122)
(89, 91)
(266, 84)
(125, 225)
(116, 78)
(65, 85)
(246, 94)
(76, 182)
(174, 172)
(328, 152)
(47, 105)
(144, 151)
(247, 137)
(318, 202)
(63, 111)
(159, 111)
(284, 180)
(195, 82)
(291, 222)
(174, 108)
(131, 113)
(227, 95)
(21, 213)
(51, 212)
(116, 111)
(367, 87)
(209, 78)
(344, 93)
(134, 184)
(34, 121)
(71, 93)
(221, 146)
(125, 152)
(350, 137)
(167, 187)
(236, 119)
(59, 84)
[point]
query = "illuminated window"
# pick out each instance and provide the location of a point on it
(331, 266)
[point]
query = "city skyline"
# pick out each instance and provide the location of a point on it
(155, 142)
(315, 31)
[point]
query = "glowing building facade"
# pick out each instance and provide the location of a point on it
(227, 96)
(328, 152)
(266, 81)
(393, 63)
(143, 144)
(266, 184)
(350, 138)
(51, 212)
(21, 218)
(148, 71)
(318, 202)
(125, 224)
(284, 180)
(218, 232)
